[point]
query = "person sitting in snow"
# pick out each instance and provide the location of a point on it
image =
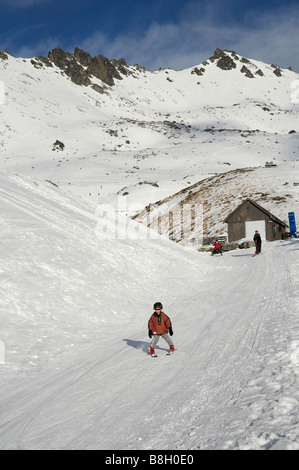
(159, 325)
(217, 248)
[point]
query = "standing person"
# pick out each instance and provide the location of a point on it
(217, 247)
(159, 325)
(258, 243)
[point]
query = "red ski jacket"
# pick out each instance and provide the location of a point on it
(217, 245)
(159, 324)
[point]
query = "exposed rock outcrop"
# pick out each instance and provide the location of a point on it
(247, 72)
(277, 72)
(224, 61)
(58, 145)
(81, 67)
(198, 71)
(4, 54)
(102, 68)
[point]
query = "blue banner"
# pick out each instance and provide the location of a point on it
(292, 223)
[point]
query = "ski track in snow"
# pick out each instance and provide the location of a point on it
(74, 309)
(74, 322)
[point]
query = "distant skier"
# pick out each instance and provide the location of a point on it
(217, 248)
(160, 325)
(258, 243)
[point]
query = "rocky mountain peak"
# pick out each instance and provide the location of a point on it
(81, 66)
(4, 54)
(228, 60)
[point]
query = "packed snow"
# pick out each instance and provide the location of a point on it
(171, 128)
(78, 278)
(201, 209)
(75, 307)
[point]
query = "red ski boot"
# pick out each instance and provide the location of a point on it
(152, 352)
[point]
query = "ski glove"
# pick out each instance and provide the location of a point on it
(150, 333)
(170, 331)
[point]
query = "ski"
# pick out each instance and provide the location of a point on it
(170, 353)
(153, 354)
(167, 354)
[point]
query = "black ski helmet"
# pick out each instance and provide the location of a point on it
(158, 305)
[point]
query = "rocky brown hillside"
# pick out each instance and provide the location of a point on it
(200, 210)
(81, 67)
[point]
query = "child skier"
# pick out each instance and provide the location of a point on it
(159, 325)
(217, 247)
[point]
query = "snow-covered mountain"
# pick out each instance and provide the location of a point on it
(81, 136)
(118, 126)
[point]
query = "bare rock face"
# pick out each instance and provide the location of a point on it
(224, 61)
(77, 73)
(198, 71)
(81, 67)
(277, 72)
(58, 146)
(4, 54)
(247, 72)
(217, 55)
(69, 65)
(60, 58)
(102, 68)
(84, 58)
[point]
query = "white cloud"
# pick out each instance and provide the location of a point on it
(40, 48)
(275, 39)
(272, 37)
(2, 95)
(160, 45)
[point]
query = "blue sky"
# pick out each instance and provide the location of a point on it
(154, 33)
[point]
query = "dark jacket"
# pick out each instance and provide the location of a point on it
(257, 239)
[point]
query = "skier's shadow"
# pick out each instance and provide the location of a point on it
(144, 346)
(238, 256)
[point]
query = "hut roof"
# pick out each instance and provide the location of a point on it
(271, 216)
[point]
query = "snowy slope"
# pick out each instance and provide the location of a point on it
(74, 311)
(214, 198)
(172, 128)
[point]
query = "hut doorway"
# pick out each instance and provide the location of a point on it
(252, 225)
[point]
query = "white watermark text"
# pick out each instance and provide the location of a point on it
(2, 353)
